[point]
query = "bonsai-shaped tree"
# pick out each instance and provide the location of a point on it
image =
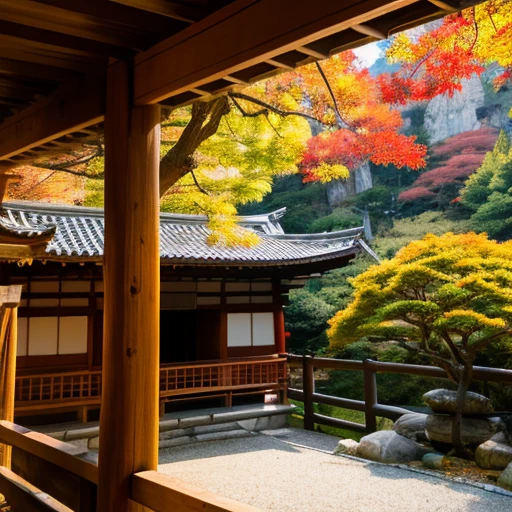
(445, 297)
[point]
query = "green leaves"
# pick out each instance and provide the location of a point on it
(449, 292)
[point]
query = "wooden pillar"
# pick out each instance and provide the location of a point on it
(279, 330)
(308, 388)
(129, 408)
(370, 397)
(9, 300)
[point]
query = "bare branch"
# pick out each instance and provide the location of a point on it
(198, 185)
(267, 107)
(331, 93)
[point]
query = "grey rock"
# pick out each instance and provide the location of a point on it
(445, 401)
(433, 460)
(340, 190)
(412, 426)
(93, 443)
(494, 453)
(264, 423)
(346, 447)
(446, 116)
(505, 479)
(388, 446)
(474, 431)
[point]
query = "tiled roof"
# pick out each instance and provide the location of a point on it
(183, 238)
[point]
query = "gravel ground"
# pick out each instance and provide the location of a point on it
(276, 476)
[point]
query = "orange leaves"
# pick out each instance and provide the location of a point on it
(439, 59)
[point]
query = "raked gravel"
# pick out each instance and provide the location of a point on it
(274, 475)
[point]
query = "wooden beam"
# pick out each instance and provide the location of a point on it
(24, 496)
(72, 108)
(65, 41)
(445, 6)
(312, 53)
(276, 62)
(367, 30)
(10, 67)
(175, 10)
(246, 32)
(64, 455)
(63, 21)
(163, 493)
(130, 387)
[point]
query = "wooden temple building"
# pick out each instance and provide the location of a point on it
(221, 316)
(68, 71)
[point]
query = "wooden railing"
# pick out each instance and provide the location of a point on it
(52, 476)
(370, 405)
(232, 375)
(70, 388)
(58, 386)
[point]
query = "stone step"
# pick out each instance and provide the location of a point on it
(198, 438)
(198, 425)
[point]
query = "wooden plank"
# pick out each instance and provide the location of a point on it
(175, 10)
(163, 493)
(11, 67)
(66, 487)
(72, 108)
(345, 403)
(66, 21)
(64, 455)
(135, 20)
(338, 423)
(130, 408)
(245, 33)
(24, 497)
(65, 41)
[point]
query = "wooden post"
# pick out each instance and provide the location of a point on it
(129, 404)
(370, 397)
(279, 330)
(9, 300)
(308, 387)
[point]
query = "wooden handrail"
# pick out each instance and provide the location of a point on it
(370, 405)
(163, 493)
(62, 454)
(218, 364)
(25, 496)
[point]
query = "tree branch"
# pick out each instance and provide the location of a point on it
(198, 185)
(267, 107)
(341, 121)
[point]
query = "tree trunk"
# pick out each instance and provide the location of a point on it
(465, 375)
(203, 123)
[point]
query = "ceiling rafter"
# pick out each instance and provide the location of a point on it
(175, 10)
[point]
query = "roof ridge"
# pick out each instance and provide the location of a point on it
(75, 210)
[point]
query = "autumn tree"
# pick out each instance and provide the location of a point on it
(452, 162)
(438, 60)
(347, 110)
(445, 297)
(354, 124)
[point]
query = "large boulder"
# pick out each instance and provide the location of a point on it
(474, 430)
(495, 453)
(505, 479)
(412, 426)
(387, 446)
(445, 401)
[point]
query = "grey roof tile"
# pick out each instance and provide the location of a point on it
(183, 238)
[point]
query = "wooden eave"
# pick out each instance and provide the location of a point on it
(54, 54)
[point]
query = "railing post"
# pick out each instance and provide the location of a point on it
(308, 387)
(370, 396)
